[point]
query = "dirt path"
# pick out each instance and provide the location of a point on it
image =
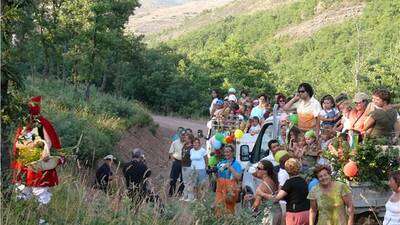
(156, 145)
(174, 122)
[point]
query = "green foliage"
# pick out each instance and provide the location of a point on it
(357, 54)
(101, 120)
(374, 162)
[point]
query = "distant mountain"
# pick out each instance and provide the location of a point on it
(155, 16)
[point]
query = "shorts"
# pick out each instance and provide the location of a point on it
(42, 194)
(201, 177)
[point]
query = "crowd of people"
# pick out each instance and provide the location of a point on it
(373, 116)
(307, 126)
(285, 195)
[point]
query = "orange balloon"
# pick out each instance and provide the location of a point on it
(350, 169)
(229, 139)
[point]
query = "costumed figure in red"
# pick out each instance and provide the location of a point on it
(34, 167)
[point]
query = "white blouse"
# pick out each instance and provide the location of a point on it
(392, 215)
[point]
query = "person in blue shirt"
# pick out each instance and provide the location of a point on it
(229, 174)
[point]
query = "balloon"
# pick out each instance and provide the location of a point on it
(350, 169)
(294, 119)
(212, 140)
(312, 184)
(219, 137)
(213, 161)
(217, 144)
(224, 141)
(229, 139)
(279, 154)
(238, 134)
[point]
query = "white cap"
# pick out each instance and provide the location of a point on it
(231, 90)
(109, 157)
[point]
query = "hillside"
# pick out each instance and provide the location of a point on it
(155, 16)
(342, 45)
(207, 17)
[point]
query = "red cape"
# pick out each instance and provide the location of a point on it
(25, 175)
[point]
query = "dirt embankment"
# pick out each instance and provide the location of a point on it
(156, 145)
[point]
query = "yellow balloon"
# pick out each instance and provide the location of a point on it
(238, 134)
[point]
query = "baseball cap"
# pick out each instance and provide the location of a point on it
(360, 96)
(109, 157)
(219, 102)
(232, 90)
(137, 153)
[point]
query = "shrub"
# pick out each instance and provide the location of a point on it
(101, 120)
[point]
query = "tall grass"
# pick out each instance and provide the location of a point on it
(75, 202)
(101, 120)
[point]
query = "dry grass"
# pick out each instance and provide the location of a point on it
(74, 201)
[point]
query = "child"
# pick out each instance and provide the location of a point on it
(255, 127)
(345, 123)
(297, 148)
(292, 137)
(326, 138)
(219, 108)
(312, 151)
(311, 147)
(329, 114)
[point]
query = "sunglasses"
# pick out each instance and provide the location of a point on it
(258, 168)
(301, 91)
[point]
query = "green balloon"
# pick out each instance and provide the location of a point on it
(220, 137)
(213, 161)
(279, 154)
(294, 119)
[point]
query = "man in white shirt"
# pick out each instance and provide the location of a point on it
(273, 146)
(175, 154)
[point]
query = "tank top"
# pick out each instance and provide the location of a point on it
(392, 215)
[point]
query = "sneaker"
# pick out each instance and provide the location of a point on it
(43, 222)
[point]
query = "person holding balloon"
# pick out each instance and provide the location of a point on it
(228, 177)
(331, 199)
